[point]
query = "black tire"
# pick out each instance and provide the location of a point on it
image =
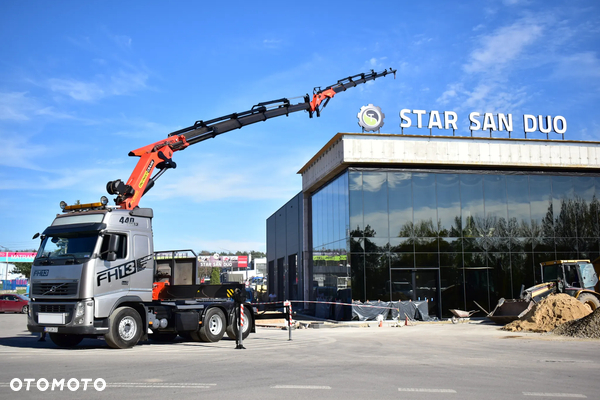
(124, 328)
(232, 330)
(592, 301)
(65, 341)
(163, 337)
(213, 326)
(25, 309)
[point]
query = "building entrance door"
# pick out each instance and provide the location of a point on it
(417, 285)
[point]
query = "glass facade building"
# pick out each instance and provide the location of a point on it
(453, 237)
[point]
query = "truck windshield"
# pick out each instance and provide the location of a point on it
(66, 249)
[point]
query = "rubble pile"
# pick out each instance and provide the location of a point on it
(587, 327)
(549, 313)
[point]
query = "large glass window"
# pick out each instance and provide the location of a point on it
(425, 205)
(400, 204)
(455, 238)
(375, 204)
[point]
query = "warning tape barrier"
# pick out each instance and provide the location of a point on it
(326, 302)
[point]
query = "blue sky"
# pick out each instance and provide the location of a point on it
(84, 83)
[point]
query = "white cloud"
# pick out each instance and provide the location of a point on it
(210, 183)
(580, 65)
(120, 83)
(504, 46)
(16, 106)
(20, 154)
(218, 177)
(272, 43)
(514, 2)
(421, 40)
(78, 90)
(123, 41)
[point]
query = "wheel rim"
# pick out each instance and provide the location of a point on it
(215, 325)
(127, 328)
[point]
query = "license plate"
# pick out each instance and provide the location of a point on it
(52, 329)
(51, 318)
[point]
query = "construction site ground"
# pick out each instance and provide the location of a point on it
(279, 320)
(353, 360)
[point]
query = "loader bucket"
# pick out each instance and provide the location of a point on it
(508, 310)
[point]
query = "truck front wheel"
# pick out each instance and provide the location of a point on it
(64, 340)
(592, 301)
(213, 326)
(124, 328)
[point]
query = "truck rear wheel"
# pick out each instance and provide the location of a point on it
(232, 330)
(592, 301)
(213, 326)
(64, 340)
(124, 328)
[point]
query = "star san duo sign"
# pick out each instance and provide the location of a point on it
(489, 121)
(370, 119)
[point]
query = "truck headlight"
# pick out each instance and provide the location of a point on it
(79, 313)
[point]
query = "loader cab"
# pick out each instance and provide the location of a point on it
(576, 274)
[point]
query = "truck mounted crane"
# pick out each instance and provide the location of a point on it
(159, 155)
(96, 272)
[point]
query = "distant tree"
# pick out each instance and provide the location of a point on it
(257, 254)
(215, 276)
(23, 268)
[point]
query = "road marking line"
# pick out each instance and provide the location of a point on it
(572, 395)
(300, 387)
(149, 385)
(425, 390)
(160, 385)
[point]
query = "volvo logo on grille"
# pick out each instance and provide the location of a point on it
(52, 289)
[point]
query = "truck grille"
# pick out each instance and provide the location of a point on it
(54, 289)
(52, 308)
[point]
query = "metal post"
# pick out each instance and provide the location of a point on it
(240, 339)
(288, 304)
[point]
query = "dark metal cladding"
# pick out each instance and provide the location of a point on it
(203, 291)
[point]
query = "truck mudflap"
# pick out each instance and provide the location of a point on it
(508, 310)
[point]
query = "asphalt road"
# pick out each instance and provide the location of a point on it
(426, 361)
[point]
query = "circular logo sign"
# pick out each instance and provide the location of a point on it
(370, 118)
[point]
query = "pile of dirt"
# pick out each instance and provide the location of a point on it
(587, 327)
(549, 313)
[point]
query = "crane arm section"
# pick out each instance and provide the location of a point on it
(159, 155)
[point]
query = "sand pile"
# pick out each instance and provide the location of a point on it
(549, 313)
(586, 327)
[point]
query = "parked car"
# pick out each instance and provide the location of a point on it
(14, 303)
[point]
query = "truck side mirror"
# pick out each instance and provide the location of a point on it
(113, 246)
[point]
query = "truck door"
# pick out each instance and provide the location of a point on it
(112, 277)
(140, 283)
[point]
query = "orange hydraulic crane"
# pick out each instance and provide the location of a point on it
(159, 155)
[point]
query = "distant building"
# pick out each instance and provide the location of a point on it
(7, 274)
(260, 266)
